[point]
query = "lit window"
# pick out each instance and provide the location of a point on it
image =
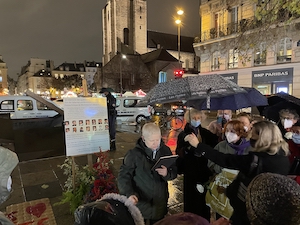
(284, 53)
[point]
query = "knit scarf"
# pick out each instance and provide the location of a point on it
(240, 146)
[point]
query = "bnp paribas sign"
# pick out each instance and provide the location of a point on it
(283, 74)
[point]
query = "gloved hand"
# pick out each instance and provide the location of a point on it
(200, 188)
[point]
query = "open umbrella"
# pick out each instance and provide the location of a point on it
(277, 102)
(236, 101)
(192, 87)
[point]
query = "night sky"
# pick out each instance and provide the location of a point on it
(71, 30)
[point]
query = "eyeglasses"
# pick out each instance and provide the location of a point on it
(286, 118)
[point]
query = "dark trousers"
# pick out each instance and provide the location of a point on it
(112, 127)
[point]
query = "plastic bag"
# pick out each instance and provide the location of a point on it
(215, 196)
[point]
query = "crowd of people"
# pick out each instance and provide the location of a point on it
(265, 190)
(260, 150)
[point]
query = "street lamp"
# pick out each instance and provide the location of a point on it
(178, 22)
(121, 78)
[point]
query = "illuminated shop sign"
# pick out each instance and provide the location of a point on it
(284, 74)
(230, 76)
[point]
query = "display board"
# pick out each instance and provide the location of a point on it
(86, 125)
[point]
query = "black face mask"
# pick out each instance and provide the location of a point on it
(253, 142)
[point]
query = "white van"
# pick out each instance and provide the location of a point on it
(127, 111)
(22, 107)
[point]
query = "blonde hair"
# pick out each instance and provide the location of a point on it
(245, 114)
(192, 112)
(149, 129)
(269, 138)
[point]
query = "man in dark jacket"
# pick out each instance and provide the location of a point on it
(112, 115)
(147, 188)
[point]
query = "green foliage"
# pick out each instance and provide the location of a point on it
(75, 198)
(90, 183)
(84, 176)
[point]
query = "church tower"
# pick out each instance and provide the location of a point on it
(124, 28)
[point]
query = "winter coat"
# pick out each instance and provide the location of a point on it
(195, 170)
(8, 161)
(225, 148)
(294, 150)
(136, 178)
(278, 163)
(111, 105)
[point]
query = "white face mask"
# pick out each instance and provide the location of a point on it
(287, 123)
(231, 137)
(227, 117)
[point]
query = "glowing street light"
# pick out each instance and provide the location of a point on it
(178, 22)
(121, 78)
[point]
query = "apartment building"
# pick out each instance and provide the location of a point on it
(33, 74)
(3, 75)
(237, 44)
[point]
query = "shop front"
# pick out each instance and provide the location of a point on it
(273, 80)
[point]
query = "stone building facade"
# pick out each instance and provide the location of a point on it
(270, 66)
(3, 75)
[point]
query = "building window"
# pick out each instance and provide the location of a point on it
(233, 25)
(216, 31)
(284, 53)
(215, 63)
(233, 59)
(0, 78)
(162, 77)
(126, 36)
(260, 55)
(67, 68)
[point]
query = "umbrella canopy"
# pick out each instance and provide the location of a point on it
(277, 102)
(108, 89)
(236, 101)
(191, 87)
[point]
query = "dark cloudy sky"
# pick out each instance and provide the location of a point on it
(71, 30)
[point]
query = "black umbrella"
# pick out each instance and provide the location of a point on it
(191, 88)
(236, 101)
(108, 89)
(277, 102)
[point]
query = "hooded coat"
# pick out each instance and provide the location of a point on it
(8, 161)
(136, 178)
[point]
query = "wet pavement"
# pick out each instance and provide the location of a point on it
(42, 178)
